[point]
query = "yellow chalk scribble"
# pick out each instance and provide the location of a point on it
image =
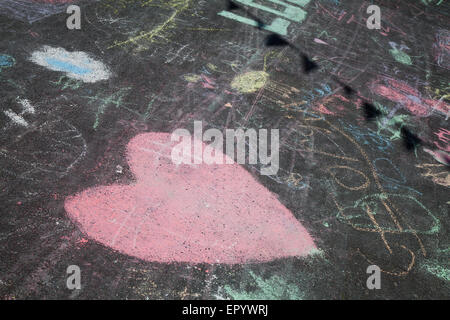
(437, 172)
(178, 7)
(250, 81)
(193, 78)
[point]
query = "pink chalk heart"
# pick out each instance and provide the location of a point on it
(196, 213)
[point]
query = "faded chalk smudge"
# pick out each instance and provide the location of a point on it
(26, 105)
(33, 10)
(441, 49)
(77, 65)
(16, 118)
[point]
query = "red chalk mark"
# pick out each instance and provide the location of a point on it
(208, 82)
(444, 136)
(410, 98)
(208, 86)
(83, 241)
(334, 102)
(322, 109)
(188, 213)
(34, 34)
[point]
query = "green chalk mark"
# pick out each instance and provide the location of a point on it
(290, 12)
(427, 2)
(401, 56)
(278, 25)
(69, 83)
(392, 125)
(437, 270)
(443, 250)
(274, 288)
(14, 84)
(149, 108)
(114, 99)
(316, 253)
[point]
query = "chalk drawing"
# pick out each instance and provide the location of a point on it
(278, 25)
(103, 102)
(444, 137)
(436, 269)
(441, 49)
(77, 65)
(398, 53)
(331, 104)
(390, 182)
(250, 81)
(188, 213)
(409, 97)
(192, 78)
(18, 118)
(442, 93)
(33, 10)
(44, 147)
(53, 1)
(27, 107)
(437, 172)
(439, 155)
(434, 225)
(273, 288)
(391, 124)
(376, 213)
(364, 181)
(6, 61)
(66, 82)
(369, 137)
(177, 7)
(432, 2)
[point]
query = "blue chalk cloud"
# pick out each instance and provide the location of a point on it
(77, 65)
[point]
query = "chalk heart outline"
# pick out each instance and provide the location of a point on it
(188, 213)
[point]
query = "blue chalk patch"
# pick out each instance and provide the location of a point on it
(67, 67)
(6, 61)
